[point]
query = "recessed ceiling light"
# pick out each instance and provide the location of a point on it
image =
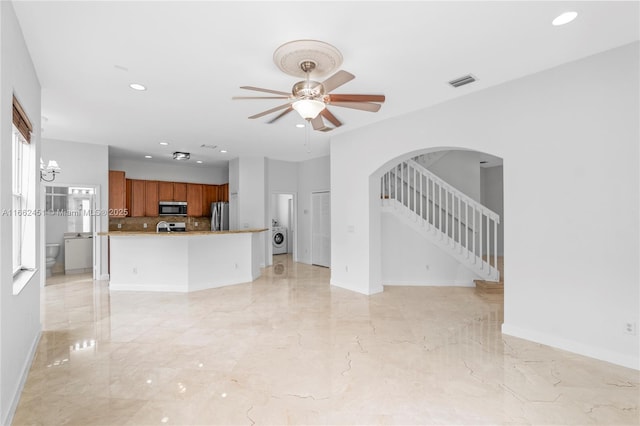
(224, 151)
(164, 143)
(564, 18)
(137, 86)
(300, 126)
(199, 161)
(148, 156)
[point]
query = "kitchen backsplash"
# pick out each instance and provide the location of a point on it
(137, 223)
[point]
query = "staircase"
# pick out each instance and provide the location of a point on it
(459, 225)
(492, 287)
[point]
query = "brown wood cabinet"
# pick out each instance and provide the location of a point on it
(117, 194)
(223, 192)
(165, 191)
(140, 198)
(179, 191)
(151, 198)
(209, 195)
(136, 197)
(194, 199)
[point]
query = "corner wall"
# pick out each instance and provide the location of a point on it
(84, 164)
(20, 313)
(573, 278)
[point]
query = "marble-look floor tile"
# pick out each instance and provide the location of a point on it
(290, 349)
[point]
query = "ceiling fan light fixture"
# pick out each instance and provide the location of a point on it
(308, 108)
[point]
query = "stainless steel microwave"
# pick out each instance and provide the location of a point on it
(172, 208)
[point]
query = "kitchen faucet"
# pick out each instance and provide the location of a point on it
(166, 225)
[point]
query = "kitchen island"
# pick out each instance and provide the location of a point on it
(183, 261)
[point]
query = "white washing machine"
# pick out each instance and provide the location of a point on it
(279, 238)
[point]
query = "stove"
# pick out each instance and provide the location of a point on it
(171, 226)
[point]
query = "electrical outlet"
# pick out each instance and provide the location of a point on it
(236, 266)
(427, 267)
(119, 225)
(346, 268)
(144, 225)
(135, 270)
(195, 224)
(630, 328)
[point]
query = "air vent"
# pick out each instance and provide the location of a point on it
(462, 80)
(181, 155)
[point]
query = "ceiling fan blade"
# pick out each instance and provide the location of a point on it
(318, 123)
(260, 97)
(332, 118)
(282, 114)
(337, 80)
(259, 89)
(356, 98)
(364, 106)
(269, 111)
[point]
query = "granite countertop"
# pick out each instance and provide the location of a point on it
(188, 233)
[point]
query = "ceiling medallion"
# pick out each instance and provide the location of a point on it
(290, 56)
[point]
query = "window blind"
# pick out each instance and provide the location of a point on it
(21, 121)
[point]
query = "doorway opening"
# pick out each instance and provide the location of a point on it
(69, 227)
(283, 226)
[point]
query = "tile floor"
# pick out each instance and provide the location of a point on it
(290, 349)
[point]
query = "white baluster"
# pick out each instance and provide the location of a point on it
(459, 216)
(495, 243)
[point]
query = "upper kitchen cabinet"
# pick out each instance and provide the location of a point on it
(209, 195)
(223, 192)
(117, 194)
(136, 197)
(151, 198)
(165, 191)
(179, 192)
(194, 199)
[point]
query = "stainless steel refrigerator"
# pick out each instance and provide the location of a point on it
(220, 216)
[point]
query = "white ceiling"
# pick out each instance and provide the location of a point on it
(193, 56)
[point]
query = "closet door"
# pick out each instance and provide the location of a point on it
(321, 229)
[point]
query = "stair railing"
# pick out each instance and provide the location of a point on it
(467, 226)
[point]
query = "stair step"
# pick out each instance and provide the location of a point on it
(489, 287)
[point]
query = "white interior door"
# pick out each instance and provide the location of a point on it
(321, 229)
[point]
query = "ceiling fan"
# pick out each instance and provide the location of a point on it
(308, 97)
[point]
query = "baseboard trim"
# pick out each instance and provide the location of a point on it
(23, 379)
(429, 283)
(366, 293)
(573, 346)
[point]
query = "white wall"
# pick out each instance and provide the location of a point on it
(313, 176)
(282, 177)
(247, 197)
(19, 314)
(492, 197)
(84, 164)
(147, 170)
(408, 258)
(460, 169)
(571, 281)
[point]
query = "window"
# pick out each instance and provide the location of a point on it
(23, 200)
(19, 204)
